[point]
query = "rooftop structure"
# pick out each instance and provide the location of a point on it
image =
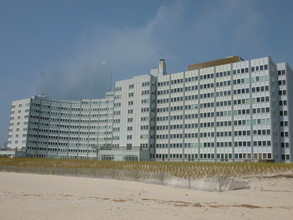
(227, 60)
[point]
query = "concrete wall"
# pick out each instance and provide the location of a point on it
(122, 155)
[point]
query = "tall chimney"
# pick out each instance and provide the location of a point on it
(162, 67)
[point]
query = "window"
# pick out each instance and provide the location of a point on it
(145, 83)
(129, 128)
(129, 120)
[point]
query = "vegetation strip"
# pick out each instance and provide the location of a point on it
(185, 170)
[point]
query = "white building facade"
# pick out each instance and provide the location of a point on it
(224, 110)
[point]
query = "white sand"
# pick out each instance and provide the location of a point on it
(30, 196)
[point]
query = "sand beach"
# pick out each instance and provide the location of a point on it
(33, 196)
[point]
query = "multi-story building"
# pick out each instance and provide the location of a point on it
(285, 77)
(18, 126)
(223, 110)
(61, 129)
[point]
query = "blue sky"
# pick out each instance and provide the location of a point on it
(67, 40)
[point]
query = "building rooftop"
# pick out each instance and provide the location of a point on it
(227, 60)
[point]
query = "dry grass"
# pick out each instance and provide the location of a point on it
(179, 169)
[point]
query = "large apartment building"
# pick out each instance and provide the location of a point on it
(222, 110)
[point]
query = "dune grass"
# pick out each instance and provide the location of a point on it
(177, 169)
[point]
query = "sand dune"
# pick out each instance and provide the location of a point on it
(30, 196)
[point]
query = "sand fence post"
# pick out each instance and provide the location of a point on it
(189, 179)
(219, 179)
(162, 177)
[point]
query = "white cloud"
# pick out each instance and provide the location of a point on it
(177, 32)
(127, 50)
